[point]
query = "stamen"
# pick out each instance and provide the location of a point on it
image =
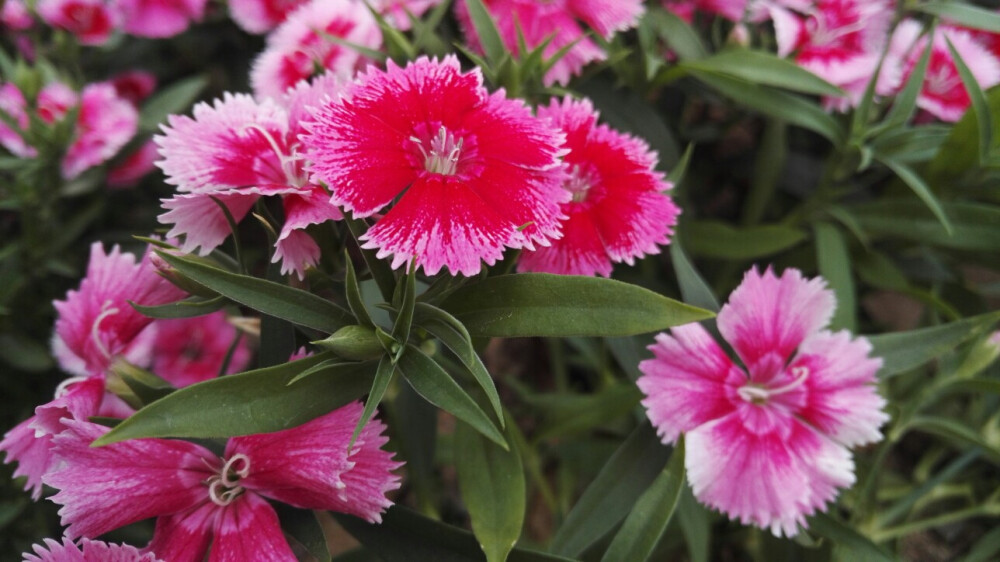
(287, 161)
(224, 487)
(579, 183)
(444, 153)
(63, 387)
(238, 466)
(96, 328)
(759, 394)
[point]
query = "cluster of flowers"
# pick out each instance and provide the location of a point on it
(201, 501)
(106, 118)
(845, 41)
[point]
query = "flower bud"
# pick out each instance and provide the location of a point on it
(354, 342)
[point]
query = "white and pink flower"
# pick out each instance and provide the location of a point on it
(13, 104)
(104, 125)
(619, 210)
(767, 442)
(477, 173)
(261, 16)
(191, 350)
(86, 551)
(91, 21)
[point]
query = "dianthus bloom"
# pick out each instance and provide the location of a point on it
(943, 94)
(303, 43)
(190, 350)
(261, 16)
(91, 21)
(558, 22)
(86, 551)
(206, 503)
(159, 18)
(767, 445)
(618, 210)
(104, 125)
(841, 41)
(237, 151)
(476, 171)
(13, 104)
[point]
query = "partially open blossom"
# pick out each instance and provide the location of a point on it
(104, 125)
(477, 172)
(943, 94)
(618, 211)
(190, 350)
(261, 16)
(841, 41)
(767, 445)
(558, 20)
(159, 18)
(13, 104)
(237, 151)
(86, 551)
(91, 21)
(302, 44)
(203, 502)
(96, 324)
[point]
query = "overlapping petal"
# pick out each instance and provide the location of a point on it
(248, 529)
(86, 551)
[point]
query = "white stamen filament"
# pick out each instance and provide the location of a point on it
(444, 153)
(224, 488)
(753, 393)
(95, 330)
(287, 161)
(63, 387)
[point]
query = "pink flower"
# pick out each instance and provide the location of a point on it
(134, 85)
(618, 210)
(943, 94)
(395, 11)
(30, 442)
(96, 323)
(13, 104)
(159, 18)
(105, 124)
(771, 447)
(200, 499)
(476, 171)
(55, 100)
(15, 15)
(840, 41)
(128, 171)
(190, 350)
(558, 19)
(261, 16)
(86, 551)
(91, 21)
(301, 45)
(238, 151)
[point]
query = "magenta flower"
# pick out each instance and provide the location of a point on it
(104, 125)
(943, 94)
(86, 551)
(95, 323)
(159, 18)
(767, 445)
(476, 171)
(237, 151)
(91, 21)
(55, 100)
(190, 350)
(127, 171)
(261, 16)
(14, 15)
(841, 41)
(302, 44)
(134, 85)
(560, 20)
(13, 104)
(200, 499)
(618, 211)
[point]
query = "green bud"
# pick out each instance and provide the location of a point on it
(354, 342)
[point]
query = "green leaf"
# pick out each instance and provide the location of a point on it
(775, 103)
(911, 144)
(921, 189)
(694, 289)
(954, 433)
(986, 548)
(438, 388)
(766, 69)
(493, 488)
(975, 226)
(902, 351)
(404, 304)
(539, 304)
(974, 386)
(569, 414)
(835, 266)
(906, 100)
(379, 269)
(405, 536)
(455, 337)
(258, 401)
(187, 308)
(303, 526)
(676, 32)
(352, 292)
(695, 525)
(383, 376)
(849, 545)
(768, 168)
(173, 99)
(717, 239)
(980, 107)
(622, 480)
(277, 335)
(648, 520)
(274, 299)
(486, 30)
(965, 15)
(959, 156)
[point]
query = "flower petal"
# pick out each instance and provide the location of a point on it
(185, 536)
(248, 529)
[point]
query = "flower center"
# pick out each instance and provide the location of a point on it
(761, 394)
(442, 156)
(579, 183)
(224, 487)
(290, 164)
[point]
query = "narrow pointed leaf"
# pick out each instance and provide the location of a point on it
(694, 289)
(849, 545)
(835, 266)
(437, 387)
(491, 480)
(963, 14)
(717, 239)
(187, 308)
(383, 376)
(176, 98)
(486, 29)
(404, 316)
(921, 189)
(539, 304)
(955, 433)
(455, 337)
(303, 526)
(258, 401)
(648, 520)
(353, 293)
(905, 102)
(760, 67)
(622, 480)
(274, 299)
(902, 351)
(980, 107)
(684, 40)
(976, 226)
